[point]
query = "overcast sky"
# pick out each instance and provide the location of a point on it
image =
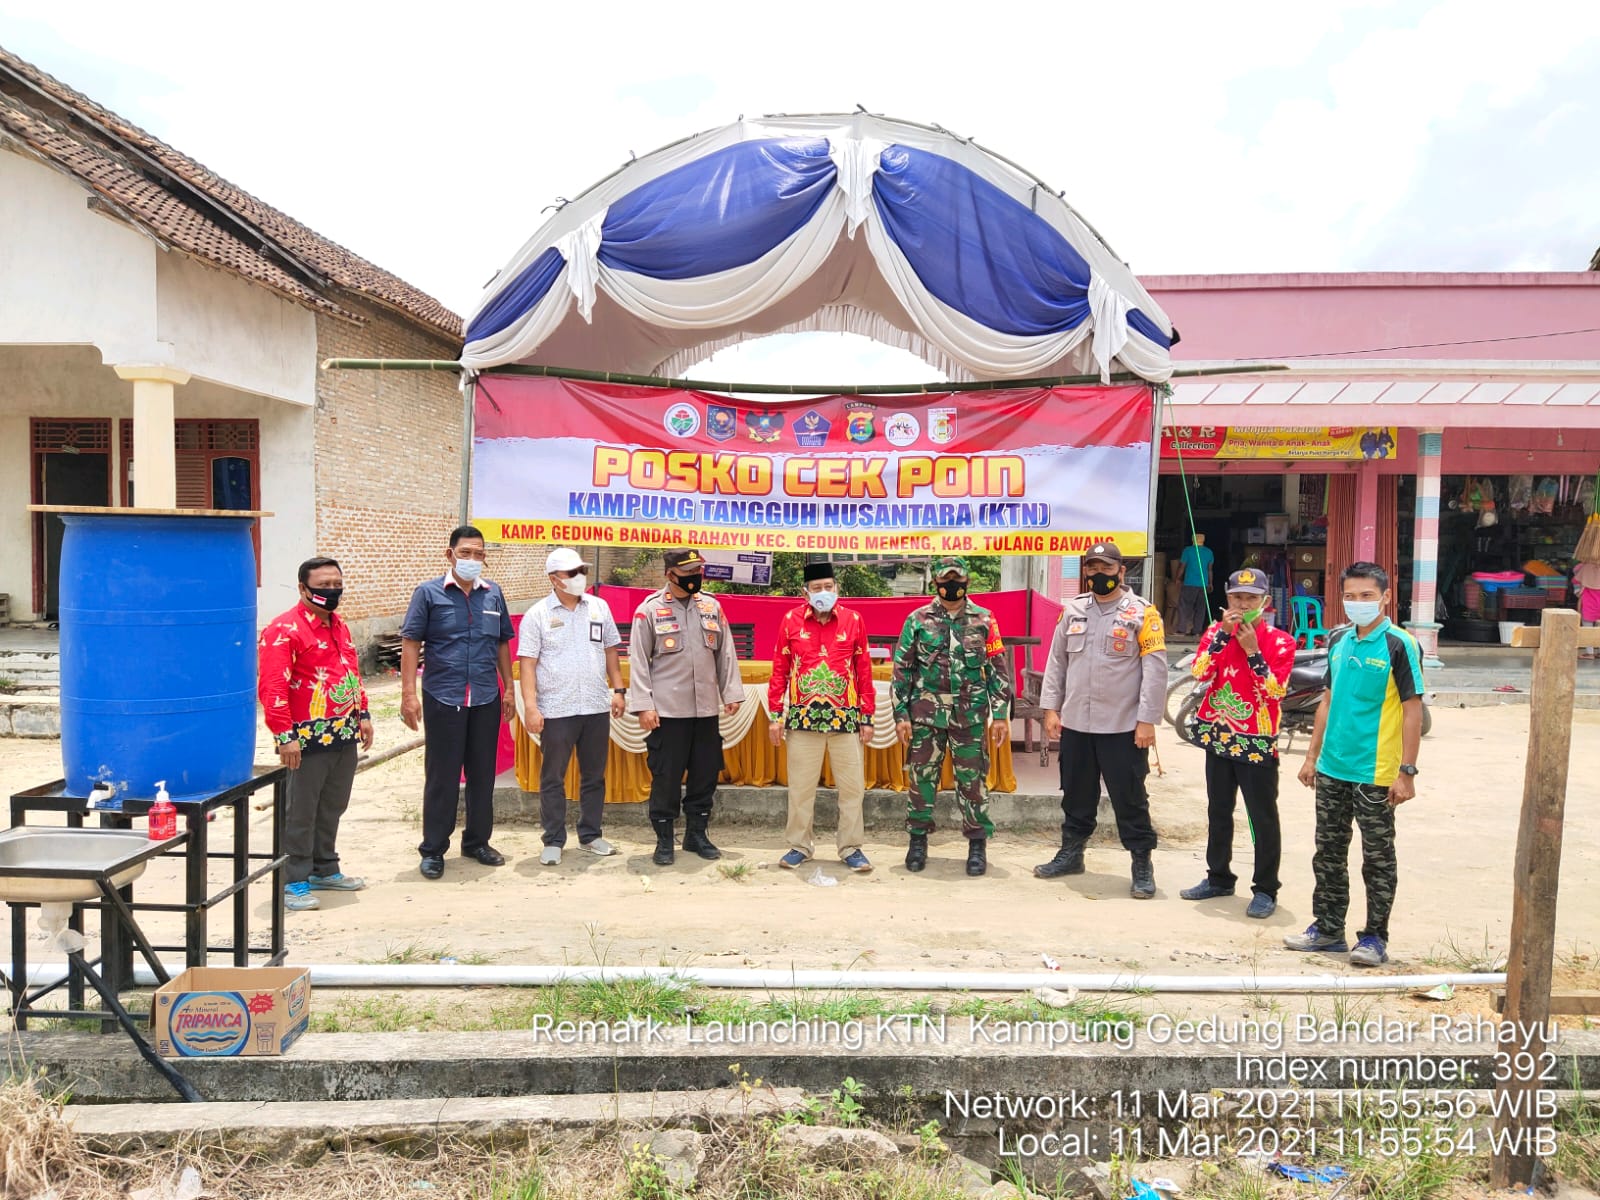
(1320, 136)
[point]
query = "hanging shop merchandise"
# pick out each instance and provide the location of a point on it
(1024, 471)
(1508, 544)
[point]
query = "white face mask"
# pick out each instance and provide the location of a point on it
(575, 585)
(1362, 612)
(823, 601)
(469, 568)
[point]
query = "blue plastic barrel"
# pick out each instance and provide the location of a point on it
(158, 663)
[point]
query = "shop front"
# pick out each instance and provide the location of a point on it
(1475, 515)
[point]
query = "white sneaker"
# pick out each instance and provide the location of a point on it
(600, 846)
(550, 856)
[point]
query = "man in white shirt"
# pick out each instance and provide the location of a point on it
(571, 683)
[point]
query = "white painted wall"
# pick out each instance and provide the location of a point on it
(233, 332)
(71, 274)
(80, 292)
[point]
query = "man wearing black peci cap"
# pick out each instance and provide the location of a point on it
(682, 675)
(821, 700)
(1245, 663)
(1103, 690)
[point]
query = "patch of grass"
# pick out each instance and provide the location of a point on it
(38, 1153)
(1087, 1011)
(380, 1013)
(9, 686)
(1456, 954)
(398, 953)
(1577, 1156)
(527, 1183)
(736, 872)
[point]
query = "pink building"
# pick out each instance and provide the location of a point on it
(1439, 424)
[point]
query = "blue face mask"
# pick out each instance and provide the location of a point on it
(823, 601)
(469, 568)
(1362, 612)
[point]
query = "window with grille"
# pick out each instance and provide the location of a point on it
(218, 465)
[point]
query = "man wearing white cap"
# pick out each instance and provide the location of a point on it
(571, 684)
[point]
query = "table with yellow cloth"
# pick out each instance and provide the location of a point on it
(748, 757)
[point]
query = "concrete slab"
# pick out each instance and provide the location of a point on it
(278, 1129)
(930, 1058)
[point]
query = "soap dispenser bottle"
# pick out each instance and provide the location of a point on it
(163, 816)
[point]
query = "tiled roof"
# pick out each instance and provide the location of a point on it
(181, 202)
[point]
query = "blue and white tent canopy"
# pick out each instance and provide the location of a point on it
(857, 224)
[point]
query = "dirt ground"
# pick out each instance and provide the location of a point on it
(1457, 842)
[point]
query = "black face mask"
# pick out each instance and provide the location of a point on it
(1102, 583)
(326, 599)
(690, 583)
(953, 589)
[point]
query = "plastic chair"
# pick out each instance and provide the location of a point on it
(1308, 629)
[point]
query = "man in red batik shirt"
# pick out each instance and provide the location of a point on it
(1246, 662)
(316, 710)
(821, 699)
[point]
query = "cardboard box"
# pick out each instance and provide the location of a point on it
(1277, 527)
(231, 1012)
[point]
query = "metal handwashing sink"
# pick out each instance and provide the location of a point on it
(52, 865)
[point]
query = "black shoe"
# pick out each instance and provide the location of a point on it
(432, 866)
(1144, 876)
(977, 862)
(1068, 861)
(664, 855)
(487, 855)
(695, 841)
(917, 855)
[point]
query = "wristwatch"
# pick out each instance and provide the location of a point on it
(1408, 769)
(624, 692)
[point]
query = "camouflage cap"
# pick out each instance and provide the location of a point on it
(950, 564)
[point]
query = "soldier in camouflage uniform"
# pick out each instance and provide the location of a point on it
(952, 690)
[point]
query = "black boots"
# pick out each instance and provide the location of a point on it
(1144, 876)
(917, 855)
(977, 862)
(1068, 860)
(663, 857)
(695, 840)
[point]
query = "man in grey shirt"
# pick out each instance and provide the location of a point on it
(682, 673)
(1103, 690)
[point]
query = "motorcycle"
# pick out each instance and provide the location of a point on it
(1297, 710)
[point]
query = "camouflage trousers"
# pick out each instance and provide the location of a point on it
(969, 754)
(1339, 804)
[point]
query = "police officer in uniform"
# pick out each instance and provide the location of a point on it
(682, 674)
(1103, 690)
(952, 690)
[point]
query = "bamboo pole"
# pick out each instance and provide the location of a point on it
(1522, 1048)
(778, 389)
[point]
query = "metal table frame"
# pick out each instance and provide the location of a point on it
(193, 842)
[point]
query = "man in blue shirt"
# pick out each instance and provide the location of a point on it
(1193, 612)
(1362, 761)
(466, 694)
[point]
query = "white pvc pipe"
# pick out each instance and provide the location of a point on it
(393, 975)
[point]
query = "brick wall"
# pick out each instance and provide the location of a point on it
(388, 460)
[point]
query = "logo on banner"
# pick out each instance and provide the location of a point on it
(681, 420)
(764, 426)
(942, 425)
(811, 430)
(902, 429)
(858, 422)
(722, 422)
